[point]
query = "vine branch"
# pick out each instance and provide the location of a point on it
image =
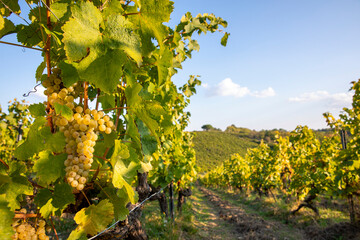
(86, 97)
(53, 227)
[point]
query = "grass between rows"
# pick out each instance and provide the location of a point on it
(276, 207)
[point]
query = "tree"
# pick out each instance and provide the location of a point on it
(207, 127)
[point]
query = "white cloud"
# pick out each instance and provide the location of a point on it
(205, 85)
(334, 100)
(269, 92)
(228, 88)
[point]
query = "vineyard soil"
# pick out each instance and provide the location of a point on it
(218, 214)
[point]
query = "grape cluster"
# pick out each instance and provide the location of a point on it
(80, 131)
(26, 231)
(54, 84)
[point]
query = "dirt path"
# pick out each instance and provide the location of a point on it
(250, 226)
(207, 221)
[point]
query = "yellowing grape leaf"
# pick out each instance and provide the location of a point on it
(120, 34)
(82, 31)
(95, 218)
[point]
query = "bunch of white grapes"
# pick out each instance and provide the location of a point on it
(26, 231)
(54, 84)
(81, 133)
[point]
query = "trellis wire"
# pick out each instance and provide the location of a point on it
(32, 91)
(137, 206)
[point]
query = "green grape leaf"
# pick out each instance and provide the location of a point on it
(123, 172)
(33, 143)
(49, 168)
(153, 126)
(42, 197)
(107, 101)
(82, 30)
(153, 13)
(78, 234)
(37, 14)
(63, 110)
(105, 72)
(132, 132)
(163, 63)
(110, 138)
(113, 7)
(39, 71)
(132, 95)
(95, 218)
(60, 10)
(121, 151)
(40, 138)
(148, 142)
(29, 35)
(145, 167)
(6, 26)
(118, 200)
(224, 39)
(100, 148)
(37, 110)
(12, 4)
(6, 219)
(155, 108)
(48, 209)
(157, 10)
(120, 34)
(54, 142)
(18, 186)
(50, 203)
(69, 74)
(63, 195)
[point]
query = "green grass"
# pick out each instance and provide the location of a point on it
(278, 209)
(157, 226)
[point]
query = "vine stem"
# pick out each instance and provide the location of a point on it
(52, 224)
(86, 97)
(96, 174)
(48, 65)
(103, 6)
(122, 100)
(103, 158)
(86, 197)
(127, 14)
(3, 162)
(102, 189)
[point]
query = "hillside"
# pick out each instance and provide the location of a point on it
(213, 146)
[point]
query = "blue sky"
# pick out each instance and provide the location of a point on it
(286, 63)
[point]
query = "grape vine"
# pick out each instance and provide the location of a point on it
(112, 109)
(300, 165)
